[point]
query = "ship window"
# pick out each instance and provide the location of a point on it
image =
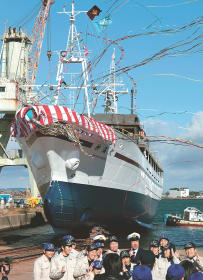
(2, 89)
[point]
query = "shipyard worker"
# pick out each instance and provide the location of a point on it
(170, 256)
(112, 266)
(63, 264)
(154, 247)
(73, 252)
(175, 272)
(42, 264)
(99, 248)
(113, 245)
(191, 255)
(189, 268)
(142, 272)
(163, 240)
(84, 264)
(135, 250)
(97, 268)
(127, 266)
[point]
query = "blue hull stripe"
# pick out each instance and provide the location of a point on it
(68, 204)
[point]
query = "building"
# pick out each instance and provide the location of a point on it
(179, 193)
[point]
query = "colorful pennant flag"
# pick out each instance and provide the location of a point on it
(102, 24)
(93, 12)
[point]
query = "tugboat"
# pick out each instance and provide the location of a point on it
(192, 217)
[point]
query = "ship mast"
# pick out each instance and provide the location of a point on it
(113, 83)
(72, 55)
(110, 91)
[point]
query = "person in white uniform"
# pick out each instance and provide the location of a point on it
(63, 264)
(42, 264)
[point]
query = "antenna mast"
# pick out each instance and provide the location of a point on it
(72, 54)
(110, 91)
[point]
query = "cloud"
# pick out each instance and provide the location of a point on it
(195, 128)
(183, 165)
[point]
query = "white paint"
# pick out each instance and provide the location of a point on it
(102, 170)
(37, 159)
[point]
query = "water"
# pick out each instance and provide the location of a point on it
(178, 235)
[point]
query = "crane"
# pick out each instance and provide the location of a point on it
(36, 38)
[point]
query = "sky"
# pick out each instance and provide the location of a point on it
(169, 86)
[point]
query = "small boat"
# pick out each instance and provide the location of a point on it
(192, 217)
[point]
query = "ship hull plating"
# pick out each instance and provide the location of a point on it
(69, 205)
(104, 183)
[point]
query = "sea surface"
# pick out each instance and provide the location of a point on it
(177, 235)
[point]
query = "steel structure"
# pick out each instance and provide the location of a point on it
(36, 38)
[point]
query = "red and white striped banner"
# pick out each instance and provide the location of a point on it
(49, 114)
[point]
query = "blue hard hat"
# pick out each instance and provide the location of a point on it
(113, 238)
(142, 272)
(124, 254)
(49, 247)
(91, 247)
(66, 242)
(175, 271)
(163, 236)
(196, 276)
(154, 243)
(97, 264)
(189, 245)
(68, 237)
(99, 245)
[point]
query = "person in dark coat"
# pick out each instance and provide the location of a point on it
(135, 250)
(113, 267)
(189, 268)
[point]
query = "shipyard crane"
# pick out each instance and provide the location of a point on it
(36, 38)
(15, 65)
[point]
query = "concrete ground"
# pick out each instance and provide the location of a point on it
(22, 270)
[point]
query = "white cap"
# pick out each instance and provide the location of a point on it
(99, 237)
(133, 236)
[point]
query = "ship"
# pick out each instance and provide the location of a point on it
(90, 168)
(192, 217)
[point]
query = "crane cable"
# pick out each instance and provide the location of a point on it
(49, 52)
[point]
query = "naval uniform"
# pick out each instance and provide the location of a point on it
(136, 254)
(42, 268)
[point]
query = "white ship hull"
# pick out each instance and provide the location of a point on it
(115, 182)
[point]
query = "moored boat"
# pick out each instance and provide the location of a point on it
(191, 217)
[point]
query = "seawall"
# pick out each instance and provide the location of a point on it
(14, 221)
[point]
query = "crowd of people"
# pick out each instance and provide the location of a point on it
(161, 261)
